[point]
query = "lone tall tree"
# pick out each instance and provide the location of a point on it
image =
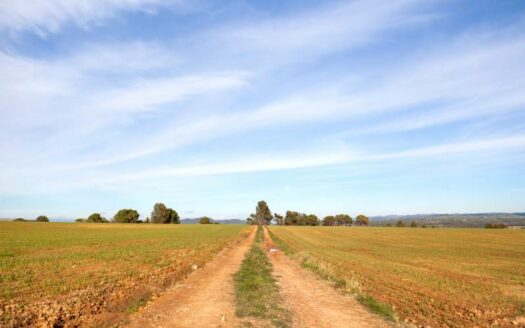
(263, 215)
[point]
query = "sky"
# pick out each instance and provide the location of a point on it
(373, 107)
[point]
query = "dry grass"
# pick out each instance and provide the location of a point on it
(49, 261)
(437, 277)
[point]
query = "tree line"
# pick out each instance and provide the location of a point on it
(40, 218)
(161, 214)
(263, 216)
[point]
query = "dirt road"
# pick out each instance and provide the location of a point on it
(204, 299)
(313, 302)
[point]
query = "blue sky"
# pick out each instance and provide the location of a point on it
(374, 107)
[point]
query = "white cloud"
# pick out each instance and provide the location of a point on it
(48, 16)
(490, 146)
(306, 35)
(148, 95)
(81, 113)
(321, 155)
(455, 86)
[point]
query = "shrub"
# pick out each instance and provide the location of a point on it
(80, 220)
(495, 226)
(205, 220)
(42, 218)
(400, 224)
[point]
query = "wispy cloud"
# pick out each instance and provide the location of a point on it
(149, 95)
(335, 83)
(48, 16)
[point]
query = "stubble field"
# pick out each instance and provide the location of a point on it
(64, 273)
(434, 277)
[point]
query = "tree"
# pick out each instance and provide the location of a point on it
(291, 218)
(343, 220)
(329, 220)
(205, 220)
(42, 218)
(279, 219)
(147, 220)
(361, 220)
(80, 220)
(20, 220)
(413, 224)
(96, 218)
(400, 224)
(262, 216)
(338, 220)
(126, 216)
(310, 220)
(163, 214)
(301, 219)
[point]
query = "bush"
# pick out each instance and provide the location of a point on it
(413, 224)
(20, 220)
(400, 224)
(126, 216)
(495, 226)
(205, 220)
(42, 218)
(80, 220)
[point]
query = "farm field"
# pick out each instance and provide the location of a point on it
(65, 272)
(434, 277)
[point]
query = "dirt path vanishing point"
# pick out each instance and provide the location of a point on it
(204, 299)
(312, 301)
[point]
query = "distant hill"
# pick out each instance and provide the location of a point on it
(228, 221)
(471, 220)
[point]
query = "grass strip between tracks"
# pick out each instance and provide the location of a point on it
(256, 292)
